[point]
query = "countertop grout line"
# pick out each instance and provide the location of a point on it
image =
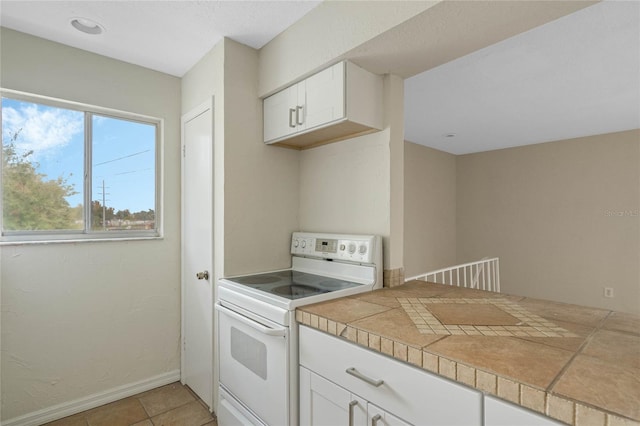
(442, 337)
(571, 321)
(350, 323)
(388, 337)
(524, 338)
(584, 344)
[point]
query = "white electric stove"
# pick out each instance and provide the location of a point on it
(257, 332)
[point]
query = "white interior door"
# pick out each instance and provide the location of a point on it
(197, 252)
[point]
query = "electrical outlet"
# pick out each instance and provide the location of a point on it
(608, 292)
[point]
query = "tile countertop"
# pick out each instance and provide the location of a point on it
(576, 364)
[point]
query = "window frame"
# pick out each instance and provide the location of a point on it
(88, 234)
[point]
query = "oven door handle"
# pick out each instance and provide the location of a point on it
(280, 332)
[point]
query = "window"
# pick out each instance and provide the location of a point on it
(70, 171)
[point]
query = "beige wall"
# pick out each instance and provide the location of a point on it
(562, 217)
(261, 181)
(430, 209)
(344, 186)
(327, 33)
(394, 120)
(353, 185)
(347, 186)
(82, 318)
(254, 184)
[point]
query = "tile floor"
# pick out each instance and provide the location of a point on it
(170, 405)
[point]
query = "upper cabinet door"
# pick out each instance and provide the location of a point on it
(339, 102)
(324, 94)
(280, 111)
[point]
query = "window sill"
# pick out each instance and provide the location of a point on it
(76, 240)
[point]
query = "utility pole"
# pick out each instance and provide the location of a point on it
(104, 206)
(104, 209)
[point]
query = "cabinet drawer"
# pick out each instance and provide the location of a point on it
(411, 393)
(501, 413)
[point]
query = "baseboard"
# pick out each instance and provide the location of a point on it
(91, 401)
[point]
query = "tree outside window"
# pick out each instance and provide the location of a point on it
(56, 161)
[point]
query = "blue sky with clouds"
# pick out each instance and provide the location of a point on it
(123, 151)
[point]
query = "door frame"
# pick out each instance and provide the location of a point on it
(206, 107)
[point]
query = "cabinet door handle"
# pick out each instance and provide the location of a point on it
(292, 111)
(299, 115)
(374, 419)
(351, 405)
(356, 373)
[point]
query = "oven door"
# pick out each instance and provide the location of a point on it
(254, 363)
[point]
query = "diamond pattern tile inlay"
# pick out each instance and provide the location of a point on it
(530, 325)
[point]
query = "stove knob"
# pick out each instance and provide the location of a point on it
(352, 248)
(304, 243)
(296, 243)
(342, 247)
(362, 249)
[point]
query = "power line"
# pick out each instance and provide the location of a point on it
(132, 171)
(121, 158)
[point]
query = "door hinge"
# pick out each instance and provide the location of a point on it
(184, 151)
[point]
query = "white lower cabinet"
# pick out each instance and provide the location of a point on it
(376, 416)
(340, 381)
(345, 384)
(501, 413)
(323, 403)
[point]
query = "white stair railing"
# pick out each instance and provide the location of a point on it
(482, 275)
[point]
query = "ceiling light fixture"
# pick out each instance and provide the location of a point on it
(87, 26)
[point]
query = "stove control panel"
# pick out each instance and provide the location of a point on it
(353, 248)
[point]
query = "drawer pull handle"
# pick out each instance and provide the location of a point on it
(374, 419)
(351, 405)
(356, 373)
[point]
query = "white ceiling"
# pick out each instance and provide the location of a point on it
(576, 76)
(167, 36)
(573, 77)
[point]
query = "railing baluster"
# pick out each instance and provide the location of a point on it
(483, 274)
(491, 276)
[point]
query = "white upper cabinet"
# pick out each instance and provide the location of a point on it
(339, 102)
(280, 113)
(324, 97)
